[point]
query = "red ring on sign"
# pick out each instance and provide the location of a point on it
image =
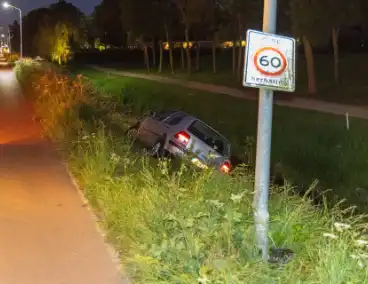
(260, 70)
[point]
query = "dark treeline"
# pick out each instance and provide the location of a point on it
(60, 30)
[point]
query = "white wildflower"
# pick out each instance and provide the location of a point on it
(360, 259)
(331, 236)
(126, 161)
(236, 198)
(341, 226)
(216, 203)
(115, 158)
(361, 243)
(203, 279)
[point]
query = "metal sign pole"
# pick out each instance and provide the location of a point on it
(262, 177)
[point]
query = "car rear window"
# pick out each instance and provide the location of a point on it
(163, 115)
(210, 137)
(176, 119)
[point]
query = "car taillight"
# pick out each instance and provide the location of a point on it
(226, 167)
(183, 137)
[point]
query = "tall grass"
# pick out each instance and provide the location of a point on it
(185, 226)
(309, 145)
(179, 225)
(57, 104)
(57, 98)
(26, 70)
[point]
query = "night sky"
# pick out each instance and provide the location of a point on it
(8, 16)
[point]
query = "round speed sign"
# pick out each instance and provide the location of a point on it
(270, 61)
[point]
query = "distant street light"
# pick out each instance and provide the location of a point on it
(6, 5)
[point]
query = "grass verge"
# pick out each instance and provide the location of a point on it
(309, 145)
(185, 226)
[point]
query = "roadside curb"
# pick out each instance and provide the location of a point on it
(115, 256)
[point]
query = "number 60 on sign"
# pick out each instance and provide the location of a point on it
(269, 62)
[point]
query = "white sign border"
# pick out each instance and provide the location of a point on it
(260, 85)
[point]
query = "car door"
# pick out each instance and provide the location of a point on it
(153, 127)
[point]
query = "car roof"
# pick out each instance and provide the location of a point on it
(197, 118)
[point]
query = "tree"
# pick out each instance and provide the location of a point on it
(167, 11)
(341, 13)
(32, 23)
(54, 32)
(71, 19)
(244, 14)
(14, 30)
(364, 10)
(54, 41)
(107, 23)
(61, 47)
(66, 12)
(42, 41)
(90, 32)
(309, 24)
(216, 17)
(283, 17)
(191, 12)
(137, 18)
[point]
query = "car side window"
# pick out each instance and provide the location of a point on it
(176, 119)
(208, 136)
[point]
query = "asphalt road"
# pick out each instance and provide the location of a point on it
(47, 233)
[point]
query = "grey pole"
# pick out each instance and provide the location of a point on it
(262, 176)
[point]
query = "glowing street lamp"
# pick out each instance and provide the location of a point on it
(6, 5)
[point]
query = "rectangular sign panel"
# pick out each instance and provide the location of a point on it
(269, 62)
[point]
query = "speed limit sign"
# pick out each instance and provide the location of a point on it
(269, 62)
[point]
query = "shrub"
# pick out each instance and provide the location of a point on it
(57, 97)
(26, 70)
(57, 104)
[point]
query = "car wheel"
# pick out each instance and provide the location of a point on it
(132, 133)
(157, 149)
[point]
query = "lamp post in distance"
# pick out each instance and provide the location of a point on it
(6, 5)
